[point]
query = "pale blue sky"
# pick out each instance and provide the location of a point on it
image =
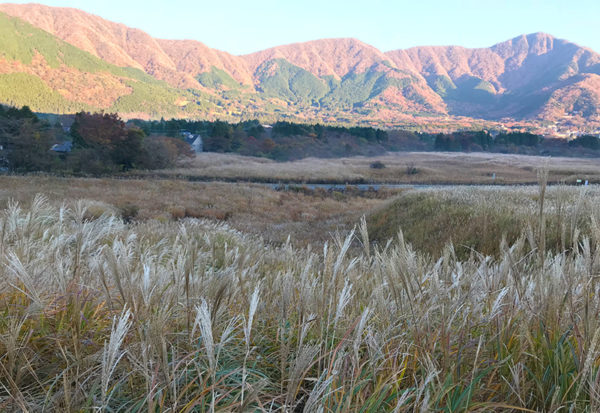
(242, 27)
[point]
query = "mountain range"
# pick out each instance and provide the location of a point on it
(62, 60)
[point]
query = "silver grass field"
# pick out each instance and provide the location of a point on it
(194, 316)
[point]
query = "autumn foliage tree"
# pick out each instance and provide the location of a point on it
(108, 137)
(97, 130)
(163, 151)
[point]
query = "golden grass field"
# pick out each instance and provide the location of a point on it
(175, 296)
(431, 167)
(251, 208)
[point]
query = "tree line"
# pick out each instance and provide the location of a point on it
(482, 140)
(279, 141)
(100, 143)
(471, 141)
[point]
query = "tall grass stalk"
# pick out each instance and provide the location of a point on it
(112, 353)
(96, 316)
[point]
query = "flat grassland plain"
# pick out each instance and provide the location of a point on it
(148, 294)
(400, 167)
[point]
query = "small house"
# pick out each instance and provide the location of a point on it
(195, 141)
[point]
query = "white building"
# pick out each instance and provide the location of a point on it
(195, 141)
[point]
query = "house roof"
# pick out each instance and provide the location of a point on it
(193, 139)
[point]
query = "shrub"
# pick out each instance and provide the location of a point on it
(209, 213)
(411, 169)
(129, 212)
(95, 210)
(177, 212)
(161, 152)
(377, 165)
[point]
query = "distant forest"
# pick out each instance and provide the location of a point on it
(289, 141)
(102, 143)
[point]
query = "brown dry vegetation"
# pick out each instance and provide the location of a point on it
(474, 218)
(431, 168)
(306, 217)
(103, 315)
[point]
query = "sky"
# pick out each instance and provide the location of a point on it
(241, 27)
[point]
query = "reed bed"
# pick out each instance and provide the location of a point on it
(103, 315)
(400, 167)
(477, 218)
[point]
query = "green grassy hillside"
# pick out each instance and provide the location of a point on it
(20, 89)
(217, 79)
(359, 87)
(22, 42)
(280, 78)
